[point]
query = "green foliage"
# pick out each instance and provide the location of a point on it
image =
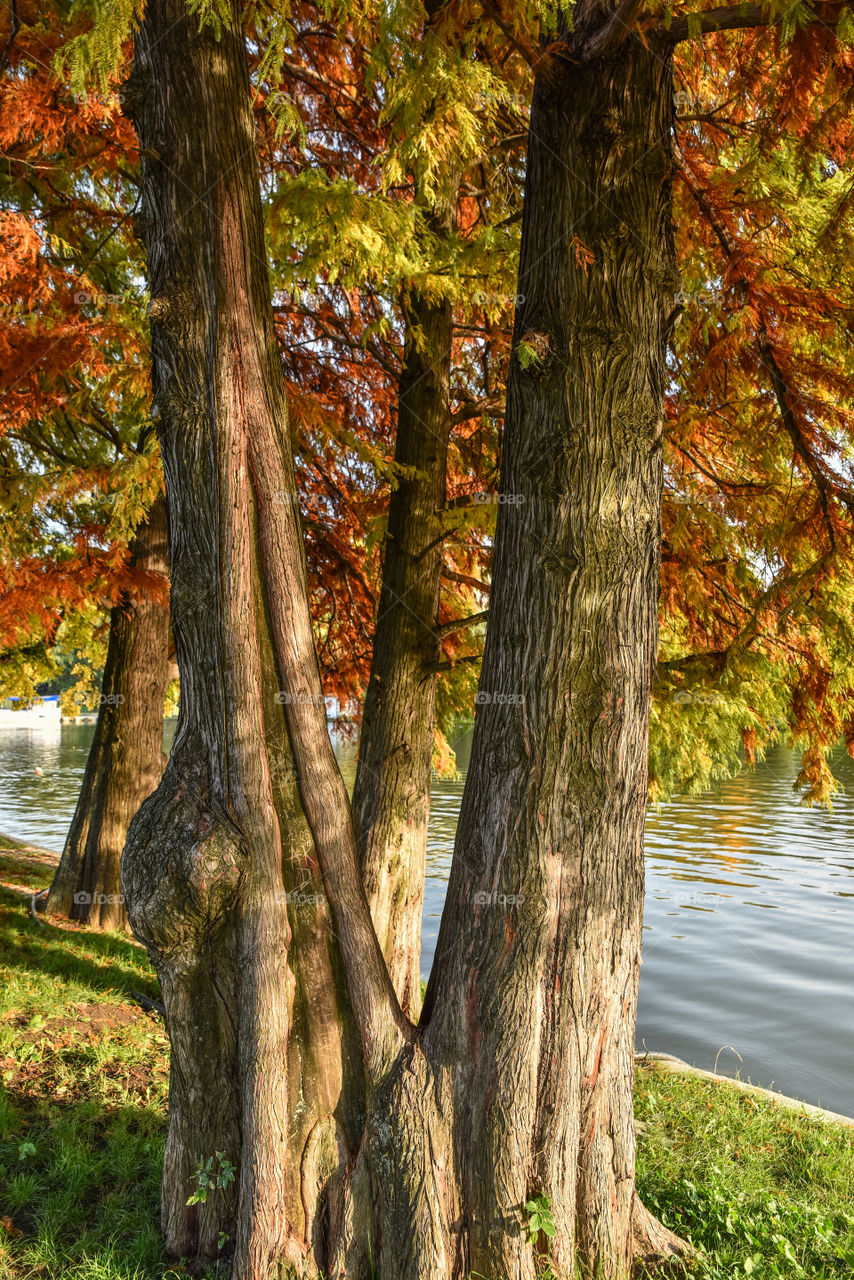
(528, 356)
(697, 725)
(212, 1178)
(92, 58)
(540, 1218)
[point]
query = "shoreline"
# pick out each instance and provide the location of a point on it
(666, 1061)
(678, 1066)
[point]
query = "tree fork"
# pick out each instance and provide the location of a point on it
(237, 865)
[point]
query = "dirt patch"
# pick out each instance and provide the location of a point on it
(91, 1022)
(52, 1060)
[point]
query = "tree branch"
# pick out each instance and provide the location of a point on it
(724, 18)
(460, 624)
(704, 22)
(608, 38)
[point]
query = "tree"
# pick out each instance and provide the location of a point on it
(211, 852)
(516, 1083)
(233, 865)
(391, 796)
(126, 757)
(85, 531)
(431, 143)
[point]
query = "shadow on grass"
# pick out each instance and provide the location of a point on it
(102, 961)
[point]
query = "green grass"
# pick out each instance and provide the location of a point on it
(760, 1191)
(83, 1097)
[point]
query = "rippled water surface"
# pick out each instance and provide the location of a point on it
(749, 935)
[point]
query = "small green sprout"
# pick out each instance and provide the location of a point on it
(211, 1179)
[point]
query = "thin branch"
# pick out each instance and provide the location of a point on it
(716, 479)
(460, 624)
(434, 542)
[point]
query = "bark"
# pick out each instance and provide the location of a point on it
(126, 757)
(239, 865)
(518, 1079)
(391, 797)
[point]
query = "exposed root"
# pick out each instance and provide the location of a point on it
(37, 905)
(655, 1247)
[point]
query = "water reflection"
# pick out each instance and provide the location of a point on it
(749, 932)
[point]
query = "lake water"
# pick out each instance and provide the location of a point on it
(749, 933)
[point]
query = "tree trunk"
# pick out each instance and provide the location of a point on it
(231, 866)
(391, 797)
(126, 757)
(518, 1080)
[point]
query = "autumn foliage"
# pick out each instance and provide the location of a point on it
(756, 587)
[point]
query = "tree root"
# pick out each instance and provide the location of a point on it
(656, 1249)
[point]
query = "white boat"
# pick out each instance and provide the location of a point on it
(16, 713)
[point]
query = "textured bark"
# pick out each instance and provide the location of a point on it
(391, 797)
(126, 757)
(231, 866)
(520, 1081)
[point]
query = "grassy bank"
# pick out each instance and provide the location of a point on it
(761, 1192)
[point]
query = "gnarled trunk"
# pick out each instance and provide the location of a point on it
(391, 797)
(126, 757)
(231, 866)
(518, 1079)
